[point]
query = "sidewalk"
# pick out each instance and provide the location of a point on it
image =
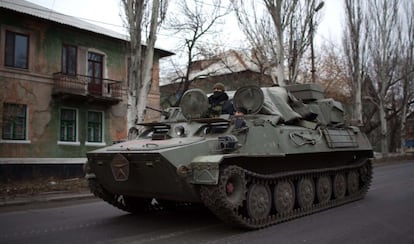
(15, 193)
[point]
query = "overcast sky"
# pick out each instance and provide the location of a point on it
(107, 14)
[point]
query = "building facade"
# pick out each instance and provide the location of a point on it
(62, 87)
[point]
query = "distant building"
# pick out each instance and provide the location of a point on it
(232, 68)
(63, 87)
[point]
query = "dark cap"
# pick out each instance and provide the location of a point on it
(219, 86)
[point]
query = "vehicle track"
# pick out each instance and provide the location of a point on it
(222, 203)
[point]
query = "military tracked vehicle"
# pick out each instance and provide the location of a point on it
(291, 156)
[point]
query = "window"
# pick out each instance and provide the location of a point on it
(69, 57)
(94, 126)
(17, 47)
(14, 121)
(68, 125)
(95, 71)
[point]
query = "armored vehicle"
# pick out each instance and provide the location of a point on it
(289, 154)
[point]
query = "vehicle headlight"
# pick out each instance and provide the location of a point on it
(183, 170)
(179, 130)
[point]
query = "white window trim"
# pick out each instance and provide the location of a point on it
(96, 144)
(69, 143)
(15, 141)
(27, 124)
(34, 161)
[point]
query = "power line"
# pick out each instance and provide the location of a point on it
(180, 39)
(49, 11)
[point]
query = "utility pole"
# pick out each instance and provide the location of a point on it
(320, 5)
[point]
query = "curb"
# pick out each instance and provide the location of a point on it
(44, 197)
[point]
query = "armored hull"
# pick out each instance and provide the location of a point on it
(293, 155)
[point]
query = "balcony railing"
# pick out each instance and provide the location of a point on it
(92, 88)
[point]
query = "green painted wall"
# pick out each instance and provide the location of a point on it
(34, 87)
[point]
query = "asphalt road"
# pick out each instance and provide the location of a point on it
(385, 215)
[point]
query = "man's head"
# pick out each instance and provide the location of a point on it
(241, 111)
(218, 87)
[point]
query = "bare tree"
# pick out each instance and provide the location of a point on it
(140, 16)
(195, 21)
(354, 46)
(378, 44)
(260, 33)
(332, 74)
(384, 48)
(275, 10)
(281, 31)
(407, 68)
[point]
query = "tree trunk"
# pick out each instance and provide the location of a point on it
(354, 45)
(275, 9)
(384, 130)
(140, 66)
(134, 12)
(357, 116)
(148, 63)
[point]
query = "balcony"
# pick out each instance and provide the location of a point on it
(87, 88)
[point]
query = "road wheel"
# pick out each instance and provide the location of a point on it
(339, 186)
(284, 197)
(353, 182)
(259, 201)
(305, 192)
(324, 189)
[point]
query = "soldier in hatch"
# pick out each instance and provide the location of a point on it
(219, 101)
(239, 121)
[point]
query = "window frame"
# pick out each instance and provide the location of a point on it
(13, 64)
(64, 60)
(88, 142)
(76, 130)
(25, 120)
(95, 63)
(95, 68)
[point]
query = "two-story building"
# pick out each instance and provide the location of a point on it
(63, 86)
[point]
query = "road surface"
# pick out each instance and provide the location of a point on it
(385, 215)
